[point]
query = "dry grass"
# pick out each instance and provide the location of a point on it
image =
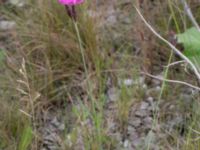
(46, 70)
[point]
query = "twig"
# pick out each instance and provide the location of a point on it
(169, 44)
(172, 81)
(190, 15)
(175, 63)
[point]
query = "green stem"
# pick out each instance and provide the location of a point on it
(81, 48)
(155, 114)
(88, 89)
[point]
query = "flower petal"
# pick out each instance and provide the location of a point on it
(70, 2)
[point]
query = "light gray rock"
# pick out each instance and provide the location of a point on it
(157, 82)
(133, 136)
(131, 129)
(7, 25)
(136, 122)
(113, 94)
(128, 82)
(61, 127)
(18, 3)
(144, 105)
(150, 100)
(141, 113)
(126, 143)
(138, 142)
(148, 120)
(153, 91)
(131, 82)
(55, 122)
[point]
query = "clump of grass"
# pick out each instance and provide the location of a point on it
(52, 67)
(12, 125)
(49, 45)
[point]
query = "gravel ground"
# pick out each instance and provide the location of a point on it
(141, 132)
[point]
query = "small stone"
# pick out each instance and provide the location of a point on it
(141, 113)
(171, 107)
(93, 14)
(136, 122)
(53, 147)
(126, 20)
(126, 143)
(144, 105)
(111, 125)
(61, 127)
(111, 20)
(18, 3)
(117, 136)
(128, 82)
(131, 82)
(150, 100)
(144, 86)
(148, 120)
(131, 129)
(49, 139)
(137, 142)
(141, 80)
(158, 88)
(134, 136)
(113, 94)
(153, 91)
(55, 122)
(7, 25)
(186, 98)
(156, 82)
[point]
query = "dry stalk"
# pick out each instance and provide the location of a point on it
(190, 15)
(172, 81)
(179, 53)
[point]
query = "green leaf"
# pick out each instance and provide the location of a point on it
(26, 138)
(191, 42)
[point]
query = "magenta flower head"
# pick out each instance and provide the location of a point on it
(70, 2)
(70, 7)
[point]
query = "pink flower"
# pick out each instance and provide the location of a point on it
(70, 2)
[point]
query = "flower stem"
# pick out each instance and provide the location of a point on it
(81, 47)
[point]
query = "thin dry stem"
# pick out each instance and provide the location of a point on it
(169, 44)
(190, 15)
(172, 81)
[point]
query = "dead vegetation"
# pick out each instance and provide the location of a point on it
(45, 78)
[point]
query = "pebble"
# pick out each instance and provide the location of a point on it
(18, 3)
(130, 128)
(138, 142)
(157, 82)
(133, 136)
(7, 25)
(136, 122)
(150, 100)
(141, 113)
(148, 120)
(126, 143)
(55, 122)
(144, 105)
(128, 82)
(113, 94)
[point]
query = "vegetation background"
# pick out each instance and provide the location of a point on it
(92, 85)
